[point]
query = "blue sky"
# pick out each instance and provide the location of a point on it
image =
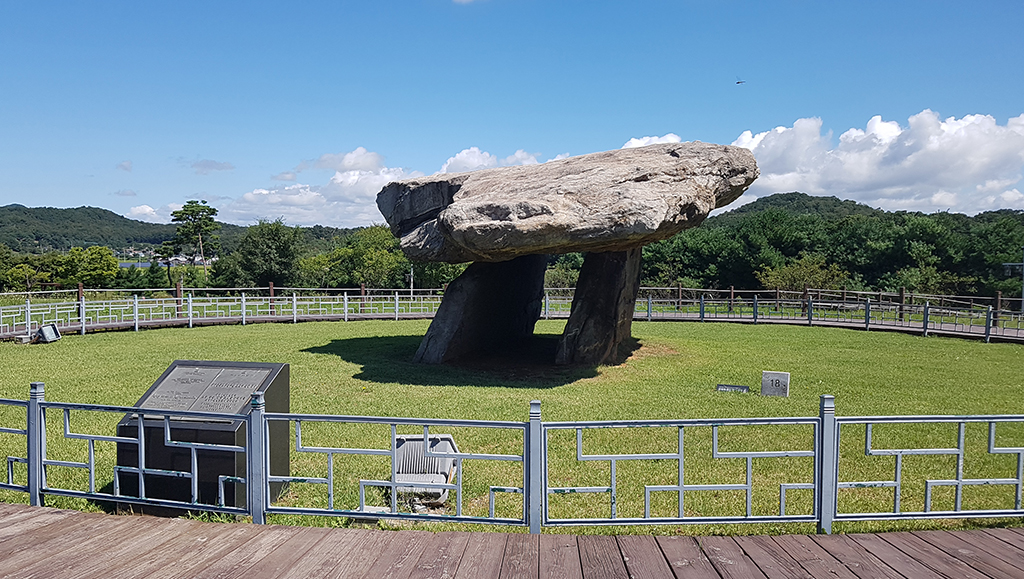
(303, 110)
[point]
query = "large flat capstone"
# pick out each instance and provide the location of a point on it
(607, 205)
(602, 202)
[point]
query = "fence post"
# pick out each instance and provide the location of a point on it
(732, 296)
(755, 308)
(702, 307)
(988, 325)
(270, 288)
(547, 312)
(926, 305)
(396, 306)
(36, 443)
(190, 310)
(810, 311)
(28, 318)
(534, 457)
(867, 314)
(81, 315)
(345, 300)
(828, 464)
(295, 308)
(999, 305)
(257, 459)
(243, 308)
(649, 304)
(135, 310)
(903, 300)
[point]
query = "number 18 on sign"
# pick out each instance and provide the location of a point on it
(774, 383)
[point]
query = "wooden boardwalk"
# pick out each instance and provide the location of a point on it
(44, 542)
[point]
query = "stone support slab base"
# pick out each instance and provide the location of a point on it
(602, 308)
(489, 307)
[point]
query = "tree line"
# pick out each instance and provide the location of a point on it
(788, 241)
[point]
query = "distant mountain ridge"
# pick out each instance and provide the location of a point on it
(43, 229)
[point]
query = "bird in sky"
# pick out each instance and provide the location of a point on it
(740, 81)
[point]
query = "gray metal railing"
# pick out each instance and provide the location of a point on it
(190, 310)
(550, 462)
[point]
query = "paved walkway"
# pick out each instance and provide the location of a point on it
(44, 542)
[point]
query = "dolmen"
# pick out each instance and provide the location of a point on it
(506, 221)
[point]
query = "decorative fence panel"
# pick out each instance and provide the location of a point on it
(819, 469)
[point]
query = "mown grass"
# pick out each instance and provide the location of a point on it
(365, 368)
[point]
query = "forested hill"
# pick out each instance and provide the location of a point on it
(44, 229)
(794, 204)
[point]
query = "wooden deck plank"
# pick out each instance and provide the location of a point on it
(994, 546)
(893, 557)
(43, 536)
(600, 557)
(118, 552)
(771, 558)
(192, 549)
(1007, 536)
(729, 559)
(560, 557)
(980, 560)
(41, 542)
(856, 558)
(275, 562)
(483, 556)
(522, 557)
(340, 553)
(20, 523)
(397, 560)
(441, 557)
(685, 558)
(942, 562)
(248, 553)
(815, 560)
(72, 543)
(643, 557)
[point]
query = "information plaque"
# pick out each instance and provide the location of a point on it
(774, 383)
(205, 386)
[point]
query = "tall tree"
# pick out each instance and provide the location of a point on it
(196, 227)
(269, 252)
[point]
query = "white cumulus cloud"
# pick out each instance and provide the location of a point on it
(348, 199)
(147, 213)
(473, 159)
(964, 165)
(644, 141)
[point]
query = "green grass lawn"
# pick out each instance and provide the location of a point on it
(365, 368)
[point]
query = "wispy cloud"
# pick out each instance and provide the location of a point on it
(207, 166)
(124, 166)
(125, 193)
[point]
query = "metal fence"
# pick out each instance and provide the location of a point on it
(135, 312)
(642, 472)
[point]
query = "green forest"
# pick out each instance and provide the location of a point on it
(785, 241)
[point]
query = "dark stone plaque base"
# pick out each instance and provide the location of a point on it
(222, 387)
